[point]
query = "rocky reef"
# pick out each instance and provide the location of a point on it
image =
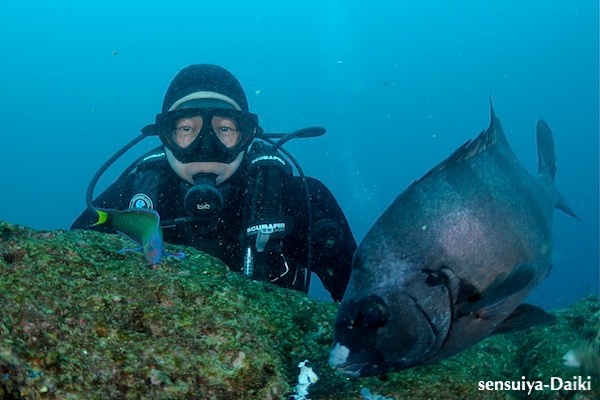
(80, 320)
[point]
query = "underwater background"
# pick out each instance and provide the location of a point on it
(399, 85)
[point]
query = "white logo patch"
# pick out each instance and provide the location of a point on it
(141, 200)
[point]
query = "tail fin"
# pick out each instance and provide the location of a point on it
(547, 163)
(102, 217)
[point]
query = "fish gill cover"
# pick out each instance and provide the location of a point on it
(80, 321)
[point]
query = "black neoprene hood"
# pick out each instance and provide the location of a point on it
(207, 78)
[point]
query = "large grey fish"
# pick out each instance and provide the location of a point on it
(451, 260)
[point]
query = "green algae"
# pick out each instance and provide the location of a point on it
(81, 321)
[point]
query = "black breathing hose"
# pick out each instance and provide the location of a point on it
(90, 190)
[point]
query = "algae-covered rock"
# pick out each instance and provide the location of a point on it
(79, 320)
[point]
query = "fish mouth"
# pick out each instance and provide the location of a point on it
(339, 359)
(351, 370)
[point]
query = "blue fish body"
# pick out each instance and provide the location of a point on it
(140, 225)
(153, 248)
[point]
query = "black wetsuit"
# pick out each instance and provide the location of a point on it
(154, 184)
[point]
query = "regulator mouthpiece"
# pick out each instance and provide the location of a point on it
(203, 199)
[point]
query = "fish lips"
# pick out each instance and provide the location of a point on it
(373, 336)
(338, 359)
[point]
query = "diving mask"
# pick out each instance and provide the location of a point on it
(207, 134)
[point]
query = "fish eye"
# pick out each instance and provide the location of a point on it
(372, 315)
(434, 278)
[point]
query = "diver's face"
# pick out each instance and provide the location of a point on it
(225, 129)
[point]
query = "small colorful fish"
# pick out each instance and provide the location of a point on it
(140, 225)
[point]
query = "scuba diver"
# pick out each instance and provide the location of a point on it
(222, 185)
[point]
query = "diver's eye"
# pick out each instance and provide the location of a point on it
(186, 130)
(226, 130)
(372, 315)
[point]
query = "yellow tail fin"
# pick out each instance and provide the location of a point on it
(102, 217)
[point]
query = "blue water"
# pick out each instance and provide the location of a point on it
(398, 84)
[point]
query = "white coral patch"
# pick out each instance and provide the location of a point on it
(306, 378)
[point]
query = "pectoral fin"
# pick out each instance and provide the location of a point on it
(523, 317)
(488, 303)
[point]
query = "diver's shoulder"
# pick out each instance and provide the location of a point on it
(314, 185)
(309, 180)
(154, 159)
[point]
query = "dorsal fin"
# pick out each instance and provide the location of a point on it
(495, 127)
(546, 153)
(487, 139)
